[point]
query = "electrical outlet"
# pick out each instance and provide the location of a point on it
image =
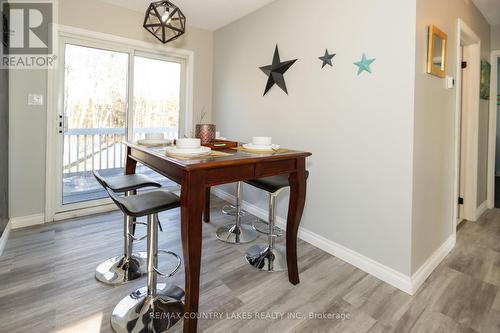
(35, 100)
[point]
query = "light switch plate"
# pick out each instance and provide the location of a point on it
(450, 82)
(35, 99)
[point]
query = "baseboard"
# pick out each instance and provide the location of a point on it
(418, 279)
(85, 212)
(481, 209)
(368, 265)
(27, 221)
(4, 238)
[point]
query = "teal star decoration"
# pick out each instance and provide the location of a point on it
(364, 64)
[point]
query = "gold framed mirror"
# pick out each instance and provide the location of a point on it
(436, 52)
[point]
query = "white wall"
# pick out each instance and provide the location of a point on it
(495, 37)
(359, 128)
(28, 124)
(433, 177)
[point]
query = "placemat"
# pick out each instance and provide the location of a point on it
(213, 153)
(261, 152)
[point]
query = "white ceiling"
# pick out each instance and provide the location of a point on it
(490, 10)
(205, 14)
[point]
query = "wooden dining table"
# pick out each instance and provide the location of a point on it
(197, 176)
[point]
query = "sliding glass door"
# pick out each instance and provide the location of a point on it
(109, 95)
(157, 87)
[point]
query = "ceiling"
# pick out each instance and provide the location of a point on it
(205, 14)
(490, 10)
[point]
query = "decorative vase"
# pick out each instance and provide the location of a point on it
(205, 132)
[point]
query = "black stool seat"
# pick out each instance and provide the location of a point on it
(125, 183)
(147, 203)
(271, 184)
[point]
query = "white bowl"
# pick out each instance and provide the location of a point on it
(155, 136)
(188, 143)
(262, 140)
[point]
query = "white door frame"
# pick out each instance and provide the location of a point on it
(54, 103)
(495, 55)
(466, 36)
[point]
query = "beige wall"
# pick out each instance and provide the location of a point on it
(434, 107)
(359, 128)
(495, 37)
(95, 15)
(28, 124)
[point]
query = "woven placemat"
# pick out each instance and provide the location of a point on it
(256, 151)
(213, 153)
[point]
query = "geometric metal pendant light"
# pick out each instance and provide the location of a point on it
(165, 21)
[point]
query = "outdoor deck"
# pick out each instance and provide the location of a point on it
(81, 186)
(87, 149)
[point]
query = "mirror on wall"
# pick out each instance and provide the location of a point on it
(436, 54)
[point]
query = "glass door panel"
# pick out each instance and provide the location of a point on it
(95, 107)
(157, 91)
(157, 88)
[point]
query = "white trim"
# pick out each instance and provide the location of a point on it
(368, 265)
(495, 55)
(85, 212)
(4, 238)
(27, 221)
(418, 279)
(465, 35)
(54, 103)
(481, 209)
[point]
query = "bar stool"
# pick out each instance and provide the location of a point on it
(158, 306)
(269, 257)
(237, 232)
(129, 266)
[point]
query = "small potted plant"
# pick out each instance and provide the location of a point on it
(205, 132)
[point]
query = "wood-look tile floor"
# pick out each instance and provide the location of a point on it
(47, 284)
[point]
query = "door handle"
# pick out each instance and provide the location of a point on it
(62, 124)
(60, 127)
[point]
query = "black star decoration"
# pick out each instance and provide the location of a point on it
(327, 59)
(276, 71)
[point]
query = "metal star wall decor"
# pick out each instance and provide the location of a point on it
(327, 59)
(364, 64)
(275, 72)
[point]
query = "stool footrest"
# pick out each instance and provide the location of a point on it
(176, 269)
(232, 211)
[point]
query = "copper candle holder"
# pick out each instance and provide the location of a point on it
(205, 132)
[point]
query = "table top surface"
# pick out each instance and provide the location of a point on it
(220, 158)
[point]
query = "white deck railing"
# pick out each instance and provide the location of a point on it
(86, 149)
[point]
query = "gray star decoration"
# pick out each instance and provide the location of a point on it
(275, 72)
(327, 59)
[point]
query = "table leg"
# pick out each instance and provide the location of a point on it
(192, 201)
(206, 210)
(295, 209)
(130, 164)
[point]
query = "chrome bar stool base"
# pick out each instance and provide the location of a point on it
(120, 270)
(140, 312)
(234, 234)
(237, 232)
(263, 227)
(264, 258)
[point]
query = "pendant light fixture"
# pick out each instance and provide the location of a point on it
(165, 21)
